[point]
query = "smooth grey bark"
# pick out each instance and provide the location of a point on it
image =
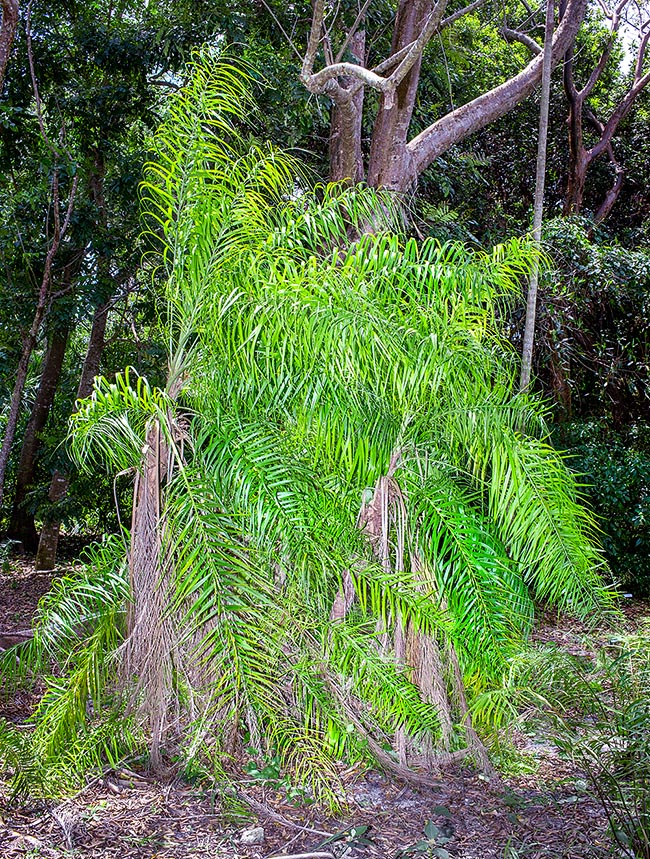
(345, 154)
(460, 123)
(538, 208)
(390, 164)
(395, 161)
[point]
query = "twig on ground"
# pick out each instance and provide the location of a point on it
(317, 855)
(65, 826)
(264, 811)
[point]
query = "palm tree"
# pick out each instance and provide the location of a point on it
(343, 508)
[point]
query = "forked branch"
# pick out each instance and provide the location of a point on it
(401, 62)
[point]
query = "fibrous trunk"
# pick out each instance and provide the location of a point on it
(430, 658)
(148, 649)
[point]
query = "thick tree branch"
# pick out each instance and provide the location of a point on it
(314, 40)
(471, 117)
(569, 81)
(316, 83)
(431, 27)
(615, 20)
(622, 110)
(516, 36)
(640, 57)
(580, 157)
(402, 61)
(398, 56)
(618, 116)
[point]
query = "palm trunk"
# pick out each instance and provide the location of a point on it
(149, 643)
(22, 526)
(383, 521)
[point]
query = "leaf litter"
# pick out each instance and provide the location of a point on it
(125, 814)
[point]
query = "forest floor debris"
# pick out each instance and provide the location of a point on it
(539, 813)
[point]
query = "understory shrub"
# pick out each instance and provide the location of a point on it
(614, 466)
(593, 333)
(596, 709)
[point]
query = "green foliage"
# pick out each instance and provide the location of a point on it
(615, 468)
(268, 773)
(354, 838)
(340, 407)
(593, 329)
(109, 427)
(102, 73)
(432, 843)
(592, 358)
(80, 723)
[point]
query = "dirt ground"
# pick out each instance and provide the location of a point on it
(539, 814)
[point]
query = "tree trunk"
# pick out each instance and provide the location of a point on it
(49, 539)
(390, 164)
(7, 33)
(29, 342)
(395, 162)
(31, 336)
(346, 156)
(48, 542)
(578, 165)
(531, 302)
(22, 525)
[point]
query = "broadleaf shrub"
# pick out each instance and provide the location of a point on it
(615, 468)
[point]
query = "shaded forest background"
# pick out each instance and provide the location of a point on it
(263, 295)
(85, 86)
